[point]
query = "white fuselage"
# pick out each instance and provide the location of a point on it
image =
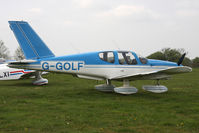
(97, 71)
(7, 73)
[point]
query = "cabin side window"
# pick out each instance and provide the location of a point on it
(126, 58)
(143, 60)
(107, 56)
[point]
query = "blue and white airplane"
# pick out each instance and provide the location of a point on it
(123, 66)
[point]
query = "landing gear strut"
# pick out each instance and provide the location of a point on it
(108, 87)
(158, 82)
(39, 80)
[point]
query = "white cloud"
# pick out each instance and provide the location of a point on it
(187, 13)
(187, 8)
(35, 10)
(83, 3)
(126, 10)
(187, 4)
(68, 22)
(129, 10)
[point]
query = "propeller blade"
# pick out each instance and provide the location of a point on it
(181, 59)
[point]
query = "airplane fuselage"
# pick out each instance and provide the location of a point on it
(92, 66)
(7, 73)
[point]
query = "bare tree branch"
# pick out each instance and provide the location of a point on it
(4, 52)
(19, 54)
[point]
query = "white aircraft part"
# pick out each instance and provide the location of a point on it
(181, 69)
(40, 81)
(6, 73)
(89, 77)
(156, 88)
(126, 90)
(105, 88)
(24, 61)
(106, 71)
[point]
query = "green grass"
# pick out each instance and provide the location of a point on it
(69, 104)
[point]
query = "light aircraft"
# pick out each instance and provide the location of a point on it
(123, 66)
(7, 73)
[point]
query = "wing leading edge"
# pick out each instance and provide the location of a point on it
(156, 74)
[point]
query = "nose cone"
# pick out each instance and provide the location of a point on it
(153, 62)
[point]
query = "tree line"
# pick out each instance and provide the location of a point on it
(167, 54)
(5, 54)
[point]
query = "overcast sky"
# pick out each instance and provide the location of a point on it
(73, 26)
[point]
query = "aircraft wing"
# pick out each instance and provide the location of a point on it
(155, 74)
(22, 62)
(30, 75)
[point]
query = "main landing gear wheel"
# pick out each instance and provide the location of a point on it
(126, 89)
(39, 80)
(108, 87)
(155, 88)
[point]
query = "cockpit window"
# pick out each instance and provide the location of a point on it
(107, 56)
(126, 58)
(143, 60)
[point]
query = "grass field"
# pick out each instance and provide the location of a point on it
(72, 105)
